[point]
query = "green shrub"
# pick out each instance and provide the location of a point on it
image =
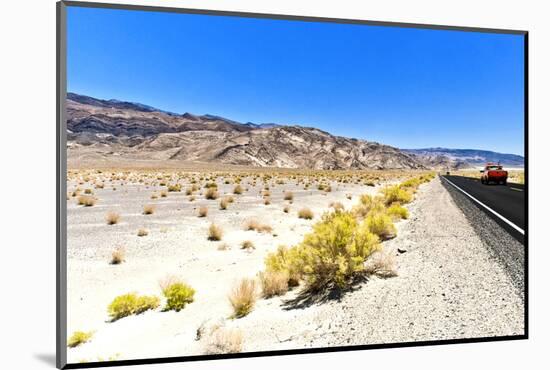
(286, 261)
(78, 338)
(397, 212)
(178, 295)
(396, 194)
(368, 203)
(131, 304)
(381, 224)
(336, 249)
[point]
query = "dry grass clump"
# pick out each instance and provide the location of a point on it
(131, 304)
(289, 196)
(247, 245)
(86, 200)
(118, 256)
(142, 232)
(243, 297)
(78, 338)
(163, 194)
(203, 211)
(174, 188)
(224, 340)
(224, 247)
(211, 193)
(254, 225)
(215, 233)
(149, 209)
(273, 283)
(238, 189)
(286, 209)
(267, 201)
(305, 213)
(381, 264)
(223, 204)
(88, 191)
(112, 218)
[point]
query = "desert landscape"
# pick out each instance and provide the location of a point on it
(228, 237)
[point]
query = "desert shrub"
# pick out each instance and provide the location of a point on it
(188, 191)
(286, 209)
(215, 233)
(142, 232)
(397, 212)
(178, 294)
(112, 218)
(230, 199)
(305, 213)
(78, 338)
(286, 261)
(382, 264)
(381, 224)
(254, 225)
(243, 297)
(224, 340)
(335, 250)
(223, 247)
(238, 189)
(88, 191)
(149, 209)
(267, 201)
(273, 283)
(288, 195)
(211, 193)
(411, 183)
(192, 198)
(203, 211)
(396, 194)
(210, 185)
(223, 204)
(118, 256)
(174, 188)
(247, 244)
(154, 196)
(368, 203)
(131, 304)
(86, 200)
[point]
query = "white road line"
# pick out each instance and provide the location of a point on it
(489, 209)
(516, 189)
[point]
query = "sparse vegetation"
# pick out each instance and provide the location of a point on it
(243, 297)
(215, 233)
(112, 218)
(211, 193)
(131, 304)
(86, 200)
(273, 283)
(305, 213)
(178, 294)
(289, 195)
(118, 255)
(224, 203)
(149, 209)
(247, 245)
(381, 224)
(396, 211)
(224, 340)
(203, 211)
(382, 264)
(142, 232)
(78, 338)
(238, 189)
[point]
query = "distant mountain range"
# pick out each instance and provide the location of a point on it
(111, 129)
(470, 157)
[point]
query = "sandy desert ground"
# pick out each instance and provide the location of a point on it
(447, 284)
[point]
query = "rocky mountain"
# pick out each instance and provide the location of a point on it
(463, 158)
(118, 129)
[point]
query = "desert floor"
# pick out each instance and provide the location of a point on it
(448, 284)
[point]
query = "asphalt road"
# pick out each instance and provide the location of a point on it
(506, 200)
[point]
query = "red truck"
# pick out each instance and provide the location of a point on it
(494, 173)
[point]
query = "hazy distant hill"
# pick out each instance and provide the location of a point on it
(472, 157)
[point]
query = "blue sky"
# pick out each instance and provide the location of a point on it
(409, 88)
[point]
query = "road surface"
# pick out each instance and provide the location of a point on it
(508, 201)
